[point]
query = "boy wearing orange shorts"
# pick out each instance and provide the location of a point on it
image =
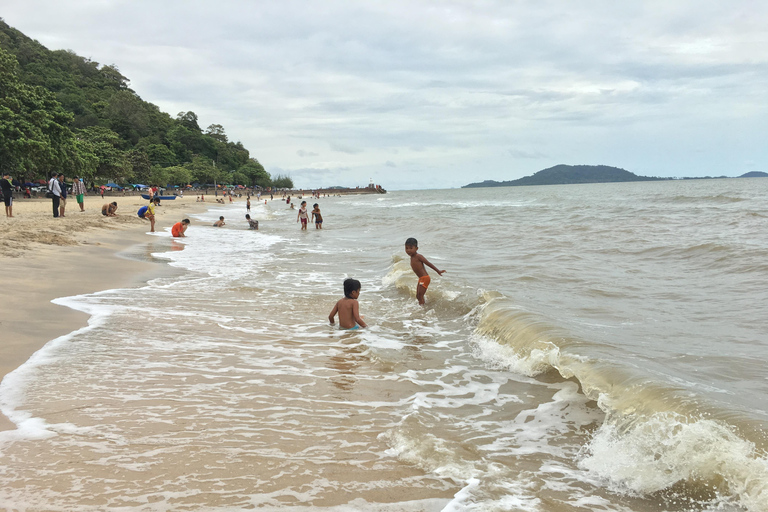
(417, 264)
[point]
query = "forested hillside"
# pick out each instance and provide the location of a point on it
(569, 174)
(63, 112)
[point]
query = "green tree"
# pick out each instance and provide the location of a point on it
(160, 154)
(238, 178)
(256, 174)
(157, 177)
(34, 132)
(127, 117)
(178, 175)
(281, 181)
(188, 120)
(105, 144)
(217, 132)
(203, 171)
(141, 167)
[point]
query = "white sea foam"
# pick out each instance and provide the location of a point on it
(658, 452)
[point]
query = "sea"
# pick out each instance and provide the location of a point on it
(597, 347)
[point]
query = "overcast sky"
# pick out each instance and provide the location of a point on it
(437, 94)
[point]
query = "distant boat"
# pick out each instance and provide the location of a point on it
(162, 198)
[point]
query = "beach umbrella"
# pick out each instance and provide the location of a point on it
(113, 185)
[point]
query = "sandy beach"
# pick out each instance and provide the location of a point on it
(44, 258)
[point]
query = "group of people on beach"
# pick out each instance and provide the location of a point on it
(348, 309)
(57, 191)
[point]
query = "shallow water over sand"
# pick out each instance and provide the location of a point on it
(590, 347)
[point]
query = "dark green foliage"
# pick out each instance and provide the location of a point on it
(60, 111)
(568, 174)
(256, 175)
(281, 181)
(34, 135)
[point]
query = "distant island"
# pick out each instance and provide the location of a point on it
(570, 174)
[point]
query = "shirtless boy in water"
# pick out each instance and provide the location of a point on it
(417, 264)
(348, 308)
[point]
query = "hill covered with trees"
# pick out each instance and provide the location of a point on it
(62, 112)
(568, 174)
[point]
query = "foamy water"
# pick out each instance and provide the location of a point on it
(597, 347)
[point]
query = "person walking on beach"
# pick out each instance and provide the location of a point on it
(178, 229)
(7, 186)
(303, 217)
(317, 217)
(78, 190)
(417, 264)
(63, 188)
(55, 190)
(348, 308)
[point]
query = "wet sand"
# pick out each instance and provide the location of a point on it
(44, 258)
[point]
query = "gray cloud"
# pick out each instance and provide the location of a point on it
(448, 86)
(518, 153)
(343, 148)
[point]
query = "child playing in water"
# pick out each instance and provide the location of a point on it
(179, 228)
(303, 217)
(253, 224)
(317, 216)
(219, 223)
(417, 264)
(348, 308)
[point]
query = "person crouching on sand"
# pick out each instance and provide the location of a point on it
(109, 209)
(180, 228)
(348, 308)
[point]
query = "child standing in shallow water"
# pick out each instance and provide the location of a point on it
(303, 217)
(348, 308)
(317, 216)
(417, 264)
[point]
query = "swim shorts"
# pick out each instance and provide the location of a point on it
(356, 327)
(8, 200)
(80, 198)
(303, 222)
(424, 281)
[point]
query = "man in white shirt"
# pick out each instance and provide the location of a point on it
(55, 189)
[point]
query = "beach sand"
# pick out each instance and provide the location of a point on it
(44, 258)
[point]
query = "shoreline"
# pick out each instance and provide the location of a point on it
(45, 258)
